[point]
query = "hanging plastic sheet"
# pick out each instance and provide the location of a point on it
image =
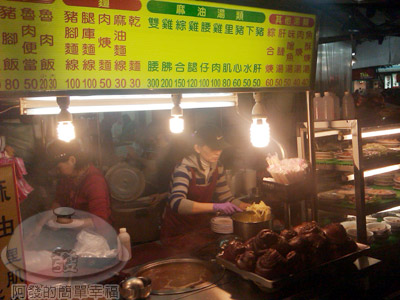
(333, 72)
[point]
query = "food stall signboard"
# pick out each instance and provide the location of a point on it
(363, 74)
(9, 220)
(66, 45)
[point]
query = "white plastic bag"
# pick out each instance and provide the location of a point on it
(91, 244)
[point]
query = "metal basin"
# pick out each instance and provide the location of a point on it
(180, 275)
(245, 224)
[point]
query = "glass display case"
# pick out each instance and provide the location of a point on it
(356, 169)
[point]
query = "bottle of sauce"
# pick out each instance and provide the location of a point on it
(319, 114)
(125, 252)
(336, 101)
(329, 106)
(348, 108)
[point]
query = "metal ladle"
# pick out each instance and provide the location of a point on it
(135, 288)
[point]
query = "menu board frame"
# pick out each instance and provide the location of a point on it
(114, 91)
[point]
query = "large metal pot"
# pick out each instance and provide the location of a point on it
(245, 224)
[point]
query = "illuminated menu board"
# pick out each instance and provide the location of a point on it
(55, 45)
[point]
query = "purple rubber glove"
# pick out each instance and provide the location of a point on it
(226, 208)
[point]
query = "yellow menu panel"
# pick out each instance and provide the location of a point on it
(65, 45)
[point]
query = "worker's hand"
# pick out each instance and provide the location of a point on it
(226, 208)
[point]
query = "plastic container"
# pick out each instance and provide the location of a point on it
(143, 221)
(319, 110)
(348, 109)
(329, 106)
(336, 106)
(125, 240)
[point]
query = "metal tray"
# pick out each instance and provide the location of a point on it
(216, 270)
(266, 284)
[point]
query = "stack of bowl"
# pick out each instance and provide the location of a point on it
(352, 232)
(381, 230)
(223, 225)
(394, 222)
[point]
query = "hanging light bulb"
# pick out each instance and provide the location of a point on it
(259, 133)
(353, 52)
(259, 129)
(353, 60)
(65, 127)
(65, 131)
(176, 123)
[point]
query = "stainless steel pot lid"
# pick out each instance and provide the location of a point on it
(126, 183)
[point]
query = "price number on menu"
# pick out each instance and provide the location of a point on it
(287, 82)
(14, 84)
(153, 83)
(103, 83)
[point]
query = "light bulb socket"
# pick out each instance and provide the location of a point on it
(63, 102)
(64, 116)
(259, 120)
(176, 99)
(176, 111)
(258, 108)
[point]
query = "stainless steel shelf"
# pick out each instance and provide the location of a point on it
(369, 208)
(349, 129)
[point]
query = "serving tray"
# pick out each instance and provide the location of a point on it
(270, 285)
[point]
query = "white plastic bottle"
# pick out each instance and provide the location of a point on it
(319, 111)
(336, 101)
(329, 106)
(348, 108)
(125, 252)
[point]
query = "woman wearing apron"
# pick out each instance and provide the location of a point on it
(198, 188)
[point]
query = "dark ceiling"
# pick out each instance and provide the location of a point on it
(356, 20)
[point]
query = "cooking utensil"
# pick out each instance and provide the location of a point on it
(180, 275)
(146, 290)
(126, 182)
(130, 288)
(246, 225)
(135, 288)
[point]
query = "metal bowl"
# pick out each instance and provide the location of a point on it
(135, 288)
(246, 225)
(130, 288)
(146, 290)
